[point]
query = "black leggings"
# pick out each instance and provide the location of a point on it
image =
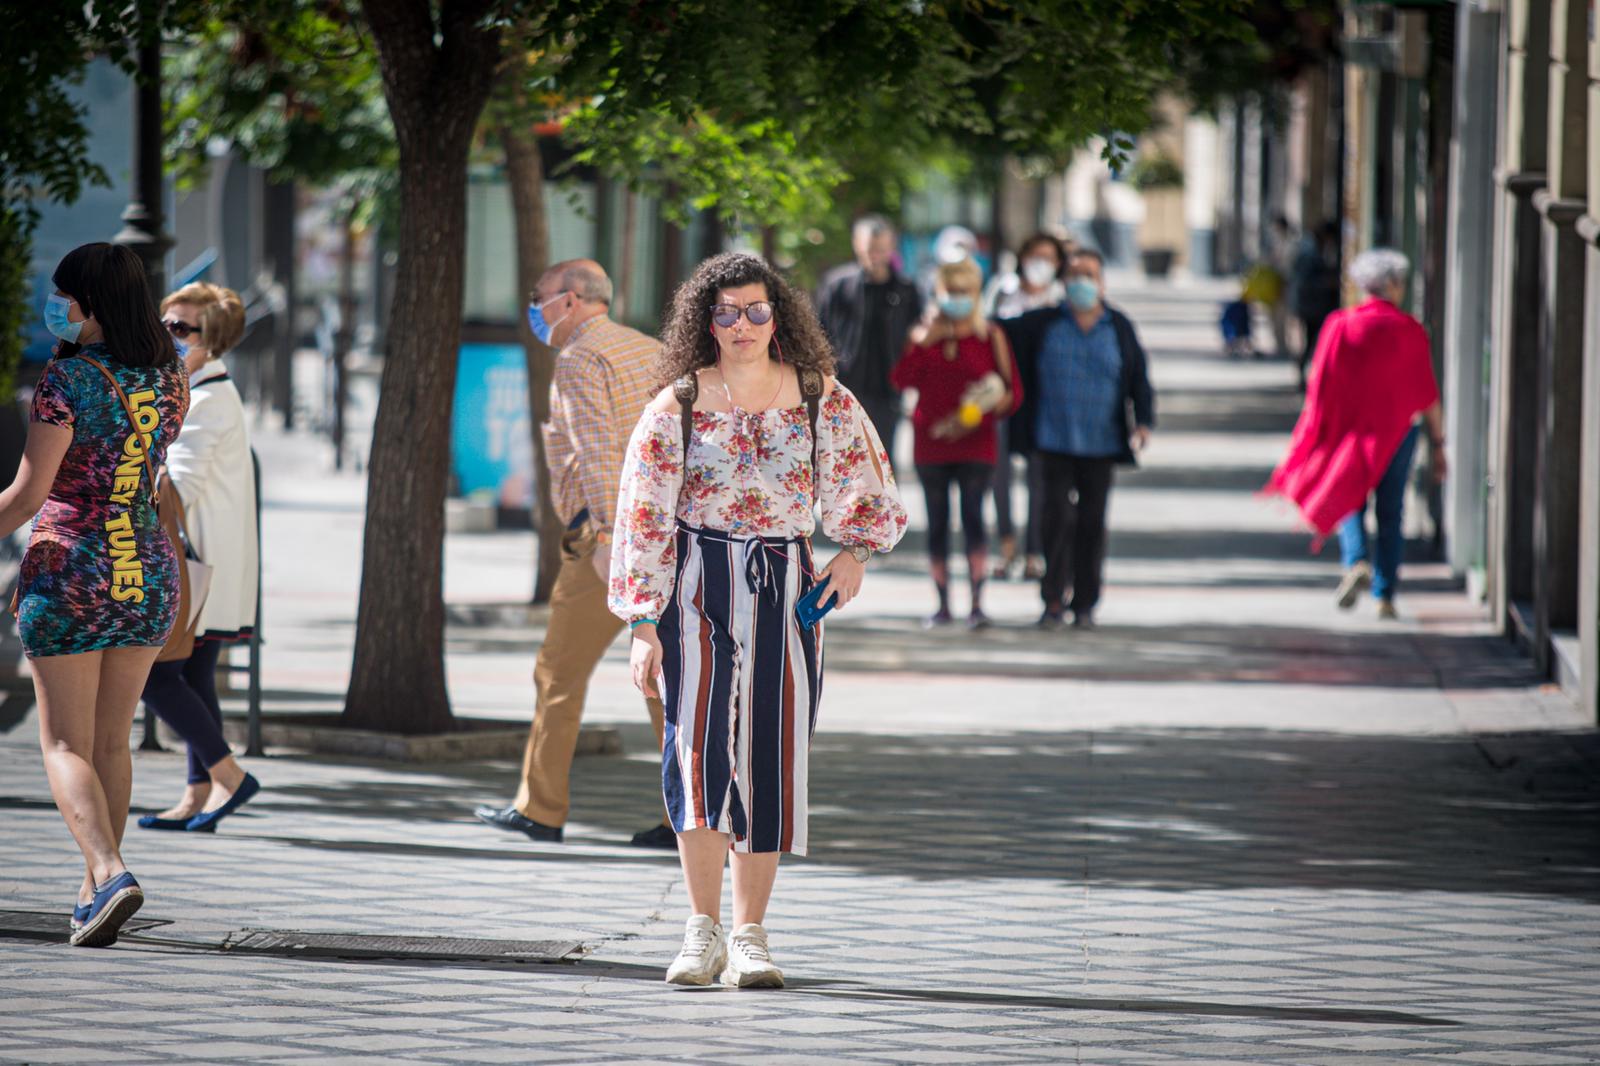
(183, 694)
(972, 480)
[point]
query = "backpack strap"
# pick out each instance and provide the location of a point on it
(145, 439)
(686, 390)
(811, 391)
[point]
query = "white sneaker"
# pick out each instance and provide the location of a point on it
(749, 963)
(1357, 580)
(704, 953)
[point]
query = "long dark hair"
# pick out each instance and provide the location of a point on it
(686, 340)
(108, 282)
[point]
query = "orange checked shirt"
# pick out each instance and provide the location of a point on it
(604, 377)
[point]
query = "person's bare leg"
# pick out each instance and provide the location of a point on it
(189, 804)
(226, 777)
(123, 672)
(66, 687)
(703, 853)
(753, 876)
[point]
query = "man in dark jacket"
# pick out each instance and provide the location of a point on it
(867, 310)
(1087, 406)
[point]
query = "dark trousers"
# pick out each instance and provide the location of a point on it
(971, 481)
(184, 695)
(884, 412)
(1075, 490)
(1005, 522)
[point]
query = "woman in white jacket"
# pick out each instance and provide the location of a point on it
(210, 465)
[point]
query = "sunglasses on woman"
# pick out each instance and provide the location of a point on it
(181, 329)
(725, 315)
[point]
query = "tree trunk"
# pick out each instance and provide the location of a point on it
(397, 681)
(525, 171)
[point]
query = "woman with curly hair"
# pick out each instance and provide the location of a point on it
(711, 558)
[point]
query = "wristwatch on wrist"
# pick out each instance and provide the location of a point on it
(860, 552)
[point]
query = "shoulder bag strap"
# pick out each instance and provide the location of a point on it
(145, 439)
(1002, 356)
(686, 389)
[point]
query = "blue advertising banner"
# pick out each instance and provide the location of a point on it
(491, 442)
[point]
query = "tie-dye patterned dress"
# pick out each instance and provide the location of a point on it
(99, 571)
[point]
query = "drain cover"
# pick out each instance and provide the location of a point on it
(352, 946)
(49, 925)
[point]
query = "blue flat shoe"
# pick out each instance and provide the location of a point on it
(114, 903)
(150, 821)
(80, 914)
(207, 822)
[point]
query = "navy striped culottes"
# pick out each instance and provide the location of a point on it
(742, 681)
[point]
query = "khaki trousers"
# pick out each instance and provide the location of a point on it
(579, 632)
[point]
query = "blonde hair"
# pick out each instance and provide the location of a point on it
(221, 314)
(965, 272)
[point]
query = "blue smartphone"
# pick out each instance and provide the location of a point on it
(809, 609)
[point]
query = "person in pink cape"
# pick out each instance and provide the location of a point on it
(1371, 377)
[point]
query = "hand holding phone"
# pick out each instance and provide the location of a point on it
(809, 609)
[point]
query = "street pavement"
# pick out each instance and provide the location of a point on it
(1231, 824)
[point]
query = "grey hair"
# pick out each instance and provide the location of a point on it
(869, 226)
(584, 281)
(1378, 268)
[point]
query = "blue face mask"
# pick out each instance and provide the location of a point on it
(956, 306)
(536, 320)
(1083, 294)
(56, 320)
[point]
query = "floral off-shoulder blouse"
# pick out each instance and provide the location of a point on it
(748, 475)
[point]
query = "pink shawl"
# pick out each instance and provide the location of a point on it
(1371, 374)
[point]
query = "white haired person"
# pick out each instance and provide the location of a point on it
(1371, 378)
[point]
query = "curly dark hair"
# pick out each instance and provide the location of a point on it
(686, 340)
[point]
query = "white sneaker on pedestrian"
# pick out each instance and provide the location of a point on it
(1356, 580)
(703, 955)
(749, 963)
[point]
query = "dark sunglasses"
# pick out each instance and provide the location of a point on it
(180, 329)
(725, 315)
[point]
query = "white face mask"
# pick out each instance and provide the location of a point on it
(1038, 272)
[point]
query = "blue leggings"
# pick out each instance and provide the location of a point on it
(183, 694)
(1389, 500)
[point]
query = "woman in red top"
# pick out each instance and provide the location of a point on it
(960, 365)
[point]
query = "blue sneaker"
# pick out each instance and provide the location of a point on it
(207, 822)
(113, 904)
(80, 914)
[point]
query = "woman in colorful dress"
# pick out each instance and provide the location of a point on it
(960, 365)
(212, 471)
(98, 590)
(711, 557)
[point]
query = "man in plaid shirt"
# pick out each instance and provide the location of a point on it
(604, 377)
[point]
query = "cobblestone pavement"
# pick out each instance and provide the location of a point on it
(1230, 825)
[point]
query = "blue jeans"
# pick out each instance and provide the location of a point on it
(1390, 499)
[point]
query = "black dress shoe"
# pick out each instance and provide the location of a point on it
(514, 820)
(657, 836)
